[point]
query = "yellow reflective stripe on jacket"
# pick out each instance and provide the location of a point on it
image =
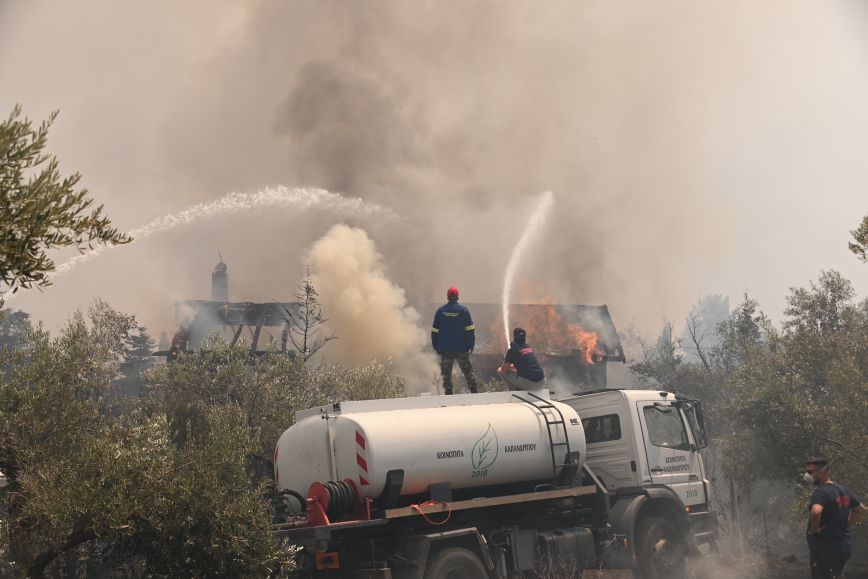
(435, 330)
(468, 328)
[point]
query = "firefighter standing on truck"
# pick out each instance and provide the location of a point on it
(453, 337)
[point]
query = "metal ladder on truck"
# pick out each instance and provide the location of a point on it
(563, 473)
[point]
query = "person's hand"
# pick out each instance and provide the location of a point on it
(817, 532)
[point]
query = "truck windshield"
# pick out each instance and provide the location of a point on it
(665, 427)
(693, 411)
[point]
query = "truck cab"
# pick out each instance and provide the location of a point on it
(644, 446)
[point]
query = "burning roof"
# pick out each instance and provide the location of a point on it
(554, 330)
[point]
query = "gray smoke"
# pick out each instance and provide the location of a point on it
(688, 145)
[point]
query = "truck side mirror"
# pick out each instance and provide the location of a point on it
(693, 410)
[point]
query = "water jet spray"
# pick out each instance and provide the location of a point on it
(530, 232)
(280, 196)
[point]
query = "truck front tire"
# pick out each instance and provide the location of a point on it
(455, 563)
(660, 550)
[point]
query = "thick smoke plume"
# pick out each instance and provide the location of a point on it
(368, 312)
(689, 143)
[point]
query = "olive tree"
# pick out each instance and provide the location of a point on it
(41, 209)
(101, 491)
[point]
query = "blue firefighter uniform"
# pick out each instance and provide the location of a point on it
(453, 336)
(453, 330)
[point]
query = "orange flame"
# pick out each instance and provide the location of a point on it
(547, 330)
(587, 342)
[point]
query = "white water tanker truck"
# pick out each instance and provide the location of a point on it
(501, 485)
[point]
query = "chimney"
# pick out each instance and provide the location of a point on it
(220, 282)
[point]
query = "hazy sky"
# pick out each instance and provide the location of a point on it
(693, 147)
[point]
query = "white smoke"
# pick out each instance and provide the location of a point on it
(368, 312)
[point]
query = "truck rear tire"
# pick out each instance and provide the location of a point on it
(455, 563)
(660, 550)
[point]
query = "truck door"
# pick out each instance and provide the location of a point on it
(672, 458)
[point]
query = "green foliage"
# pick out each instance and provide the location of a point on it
(82, 478)
(52, 422)
(218, 376)
(13, 327)
(137, 360)
(859, 245)
(191, 511)
(775, 395)
(173, 486)
(661, 363)
(822, 307)
(41, 209)
(806, 394)
(741, 337)
(268, 393)
(369, 382)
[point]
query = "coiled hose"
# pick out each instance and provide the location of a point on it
(342, 499)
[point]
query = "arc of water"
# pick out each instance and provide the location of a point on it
(530, 233)
(279, 196)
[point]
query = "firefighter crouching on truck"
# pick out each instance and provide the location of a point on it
(453, 337)
(521, 370)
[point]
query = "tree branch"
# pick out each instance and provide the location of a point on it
(76, 538)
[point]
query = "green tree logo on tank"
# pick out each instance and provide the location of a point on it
(484, 453)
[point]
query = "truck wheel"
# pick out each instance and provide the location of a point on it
(455, 563)
(660, 550)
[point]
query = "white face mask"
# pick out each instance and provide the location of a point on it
(808, 478)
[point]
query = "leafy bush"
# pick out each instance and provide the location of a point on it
(173, 486)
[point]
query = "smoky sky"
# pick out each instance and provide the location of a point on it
(692, 147)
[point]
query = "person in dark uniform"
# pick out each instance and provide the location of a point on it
(834, 510)
(453, 337)
(521, 370)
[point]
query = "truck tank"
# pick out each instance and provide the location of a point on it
(468, 440)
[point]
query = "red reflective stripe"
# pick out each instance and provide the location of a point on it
(360, 440)
(362, 462)
(362, 481)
